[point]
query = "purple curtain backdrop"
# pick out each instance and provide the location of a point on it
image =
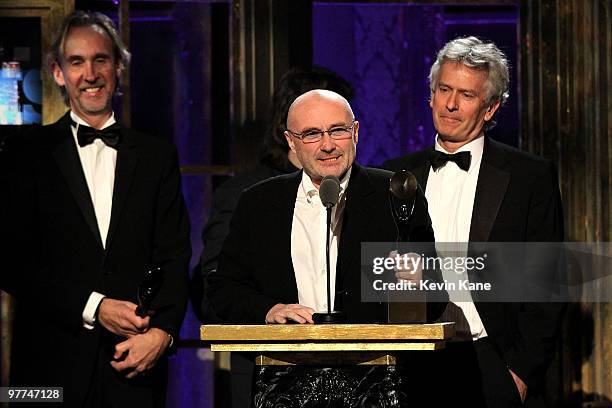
(386, 50)
(171, 98)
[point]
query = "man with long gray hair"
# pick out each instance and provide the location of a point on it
(91, 207)
(480, 190)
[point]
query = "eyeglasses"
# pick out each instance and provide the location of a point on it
(336, 133)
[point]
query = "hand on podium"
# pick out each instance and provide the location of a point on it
(281, 313)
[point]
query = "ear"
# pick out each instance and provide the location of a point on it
(356, 130)
(58, 75)
(431, 98)
(119, 69)
(491, 110)
(289, 140)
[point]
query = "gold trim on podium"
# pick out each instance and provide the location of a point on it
(385, 346)
(342, 332)
(307, 344)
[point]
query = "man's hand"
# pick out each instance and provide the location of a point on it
(281, 312)
(410, 267)
(520, 385)
(141, 352)
(119, 317)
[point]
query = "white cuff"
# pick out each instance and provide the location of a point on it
(89, 313)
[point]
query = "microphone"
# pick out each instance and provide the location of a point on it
(403, 187)
(329, 192)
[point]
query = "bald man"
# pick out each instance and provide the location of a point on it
(272, 266)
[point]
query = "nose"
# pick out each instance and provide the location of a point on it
(452, 102)
(327, 143)
(89, 74)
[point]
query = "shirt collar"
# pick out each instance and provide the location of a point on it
(345, 180)
(111, 120)
(308, 189)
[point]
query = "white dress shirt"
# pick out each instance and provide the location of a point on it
(308, 235)
(450, 196)
(98, 162)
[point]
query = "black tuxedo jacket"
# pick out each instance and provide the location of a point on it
(54, 258)
(517, 200)
(255, 270)
(224, 201)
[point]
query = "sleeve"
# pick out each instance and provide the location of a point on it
(171, 248)
(539, 323)
(224, 203)
(232, 288)
(24, 274)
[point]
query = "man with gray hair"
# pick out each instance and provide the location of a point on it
(89, 208)
(480, 190)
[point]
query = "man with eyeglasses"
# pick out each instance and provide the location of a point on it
(272, 267)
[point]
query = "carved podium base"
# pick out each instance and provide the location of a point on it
(328, 366)
(337, 387)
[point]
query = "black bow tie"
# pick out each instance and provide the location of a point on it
(439, 159)
(111, 136)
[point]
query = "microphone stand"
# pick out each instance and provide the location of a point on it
(331, 316)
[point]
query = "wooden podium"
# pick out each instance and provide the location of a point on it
(337, 344)
(312, 366)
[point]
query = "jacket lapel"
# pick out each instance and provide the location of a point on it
(357, 214)
(127, 159)
(493, 180)
(420, 165)
(282, 207)
(421, 172)
(67, 158)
